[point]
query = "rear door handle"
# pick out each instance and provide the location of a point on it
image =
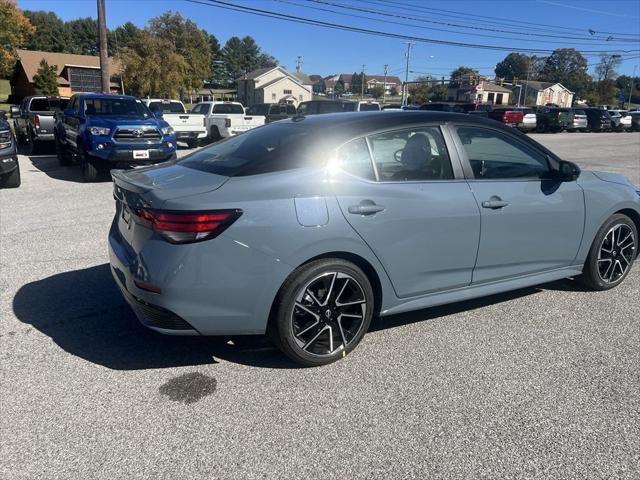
(366, 207)
(494, 203)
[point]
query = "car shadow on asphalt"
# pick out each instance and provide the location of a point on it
(83, 312)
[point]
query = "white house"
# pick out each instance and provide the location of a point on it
(546, 92)
(274, 85)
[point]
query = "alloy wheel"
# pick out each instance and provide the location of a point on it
(616, 253)
(328, 314)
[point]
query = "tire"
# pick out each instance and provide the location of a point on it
(215, 136)
(606, 265)
(330, 322)
(541, 128)
(31, 145)
(191, 143)
(64, 158)
(11, 180)
(89, 170)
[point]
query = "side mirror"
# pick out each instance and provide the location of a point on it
(69, 112)
(157, 113)
(568, 171)
(15, 111)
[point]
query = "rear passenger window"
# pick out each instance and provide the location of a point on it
(354, 158)
(493, 154)
(411, 154)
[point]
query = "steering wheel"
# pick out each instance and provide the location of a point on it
(397, 155)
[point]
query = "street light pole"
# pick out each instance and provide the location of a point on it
(631, 85)
(384, 85)
(406, 75)
(362, 82)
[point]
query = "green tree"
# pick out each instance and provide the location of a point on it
(240, 56)
(121, 37)
(46, 79)
(377, 91)
(190, 42)
(51, 33)
(420, 93)
(356, 84)
(513, 65)
(568, 67)
(84, 36)
(15, 28)
(338, 88)
(439, 93)
(461, 71)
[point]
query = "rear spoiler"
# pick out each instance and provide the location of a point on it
(128, 183)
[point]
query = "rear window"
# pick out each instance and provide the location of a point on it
(272, 148)
(166, 107)
(367, 107)
(257, 110)
(228, 108)
(48, 104)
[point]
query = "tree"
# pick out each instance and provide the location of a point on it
(461, 71)
(188, 41)
(122, 37)
(15, 28)
(568, 67)
(338, 88)
(46, 79)
(358, 80)
(606, 68)
(240, 56)
(377, 91)
(439, 93)
(84, 36)
(513, 65)
(419, 93)
(51, 33)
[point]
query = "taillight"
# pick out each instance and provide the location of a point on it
(186, 227)
(227, 122)
(36, 121)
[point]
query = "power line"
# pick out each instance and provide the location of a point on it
(492, 19)
(336, 26)
(455, 25)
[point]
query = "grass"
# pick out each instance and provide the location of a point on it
(5, 91)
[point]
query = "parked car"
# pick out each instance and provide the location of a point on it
(481, 109)
(226, 119)
(635, 121)
(510, 116)
(323, 221)
(363, 106)
(442, 107)
(529, 119)
(9, 166)
(33, 120)
(272, 112)
(315, 107)
(397, 106)
(188, 127)
(101, 132)
(621, 121)
(580, 123)
(598, 120)
(553, 119)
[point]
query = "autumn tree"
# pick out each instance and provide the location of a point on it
(46, 79)
(15, 28)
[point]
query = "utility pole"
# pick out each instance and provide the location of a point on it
(362, 82)
(104, 59)
(631, 85)
(406, 75)
(299, 63)
(384, 85)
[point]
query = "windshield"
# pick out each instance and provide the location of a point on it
(228, 108)
(364, 107)
(48, 104)
(126, 107)
(266, 149)
(166, 107)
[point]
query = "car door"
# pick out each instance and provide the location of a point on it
(530, 221)
(412, 207)
(72, 123)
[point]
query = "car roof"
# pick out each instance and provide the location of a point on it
(105, 95)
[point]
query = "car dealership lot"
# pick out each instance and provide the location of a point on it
(541, 382)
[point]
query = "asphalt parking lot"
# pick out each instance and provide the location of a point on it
(537, 383)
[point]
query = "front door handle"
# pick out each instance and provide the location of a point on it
(365, 207)
(494, 203)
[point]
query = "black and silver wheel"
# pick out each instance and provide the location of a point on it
(612, 253)
(89, 170)
(64, 158)
(324, 310)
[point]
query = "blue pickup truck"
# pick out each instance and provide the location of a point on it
(101, 132)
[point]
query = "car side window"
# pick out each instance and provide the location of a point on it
(411, 154)
(354, 158)
(497, 155)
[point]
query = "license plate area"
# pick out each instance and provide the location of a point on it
(140, 154)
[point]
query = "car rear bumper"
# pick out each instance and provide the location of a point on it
(44, 137)
(216, 287)
(190, 135)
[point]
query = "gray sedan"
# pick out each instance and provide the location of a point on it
(306, 228)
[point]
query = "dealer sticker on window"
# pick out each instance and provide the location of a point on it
(140, 154)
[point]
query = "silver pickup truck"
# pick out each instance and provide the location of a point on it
(33, 120)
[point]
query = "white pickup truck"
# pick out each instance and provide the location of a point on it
(226, 119)
(188, 127)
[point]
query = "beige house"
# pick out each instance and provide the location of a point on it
(274, 85)
(483, 92)
(546, 92)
